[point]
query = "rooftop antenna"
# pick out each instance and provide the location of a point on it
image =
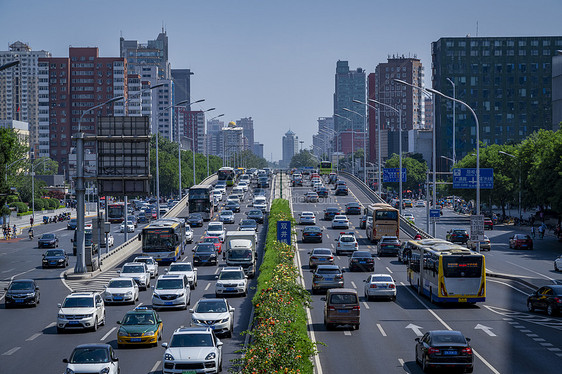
(476, 28)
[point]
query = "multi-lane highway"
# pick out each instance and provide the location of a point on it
(31, 343)
(505, 337)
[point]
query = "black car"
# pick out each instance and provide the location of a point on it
(341, 190)
(353, 208)
(363, 222)
(54, 258)
(248, 225)
(263, 182)
(142, 218)
(362, 260)
(233, 205)
(339, 183)
(444, 348)
(21, 292)
(205, 254)
(322, 192)
(547, 298)
(312, 234)
(48, 241)
(457, 236)
(195, 220)
(71, 225)
(256, 215)
(330, 213)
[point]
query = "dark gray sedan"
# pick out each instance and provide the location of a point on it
(21, 292)
(48, 241)
(54, 258)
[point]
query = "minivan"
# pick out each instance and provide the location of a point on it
(341, 308)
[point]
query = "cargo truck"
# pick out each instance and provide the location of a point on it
(240, 250)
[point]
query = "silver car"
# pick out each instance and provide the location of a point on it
(327, 276)
(307, 218)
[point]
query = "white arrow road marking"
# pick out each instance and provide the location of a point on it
(415, 328)
(486, 329)
(348, 333)
(108, 333)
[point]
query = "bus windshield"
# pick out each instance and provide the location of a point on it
(386, 215)
(462, 266)
(199, 194)
(159, 240)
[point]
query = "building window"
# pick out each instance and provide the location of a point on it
(546, 52)
(485, 52)
(497, 52)
(522, 43)
(534, 43)
(522, 52)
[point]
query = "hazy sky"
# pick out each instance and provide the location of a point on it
(271, 60)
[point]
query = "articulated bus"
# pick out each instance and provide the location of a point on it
(164, 239)
(116, 212)
(325, 167)
(200, 200)
(227, 174)
(450, 273)
(386, 222)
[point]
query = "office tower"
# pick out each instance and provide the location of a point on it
(182, 85)
(322, 142)
(507, 81)
(248, 125)
(557, 90)
(214, 144)
(192, 128)
(152, 53)
(290, 147)
(410, 101)
(258, 149)
(232, 142)
(67, 87)
(19, 89)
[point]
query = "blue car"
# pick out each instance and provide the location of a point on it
(71, 225)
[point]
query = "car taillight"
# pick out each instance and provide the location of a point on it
(558, 300)
(332, 258)
(331, 308)
(431, 351)
(313, 258)
(339, 276)
(391, 286)
(339, 244)
(373, 286)
(467, 350)
(353, 260)
(356, 244)
(356, 307)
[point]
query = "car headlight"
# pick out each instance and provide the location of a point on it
(168, 357)
(61, 260)
(219, 285)
(107, 293)
(211, 356)
(89, 315)
(224, 320)
(104, 371)
(148, 333)
(69, 371)
(122, 332)
(181, 294)
(60, 315)
(156, 295)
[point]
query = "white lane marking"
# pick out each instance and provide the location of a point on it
(546, 344)
(139, 304)
(11, 351)
(50, 325)
(207, 287)
(353, 284)
(347, 333)
(327, 236)
(390, 271)
(493, 369)
(108, 333)
(155, 366)
(366, 305)
(532, 335)
(217, 271)
(554, 349)
(33, 337)
(532, 271)
(61, 276)
(508, 285)
(7, 271)
(381, 329)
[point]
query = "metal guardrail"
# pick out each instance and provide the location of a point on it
(406, 226)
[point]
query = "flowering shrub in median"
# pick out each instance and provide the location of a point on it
(279, 340)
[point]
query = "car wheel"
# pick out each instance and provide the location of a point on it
(356, 326)
(556, 267)
(60, 330)
(393, 298)
(120, 346)
(470, 369)
(425, 367)
(530, 306)
(95, 327)
(550, 310)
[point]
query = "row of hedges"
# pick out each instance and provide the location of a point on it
(279, 340)
(40, 204)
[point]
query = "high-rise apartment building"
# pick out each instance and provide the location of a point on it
(214, 143)
(258, 149)
(248, 125)
(507, 81)
(67, 87)
(557, 90)
(349, 85)
(182, 85)
(290, 147)
(152, 53)
(192, 128)
(19, 89)
(410, 101)
(322, 143)
(232, 143)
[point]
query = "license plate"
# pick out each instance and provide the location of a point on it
(362, 262)
(136, 339)
(73, 322)
(117, 298)
(321, 259)
(462, 299)
(449, 353)
(343, 311)
(168, 303)
(19, 301)
(329, 279)
(52, 263)
(230, 289)
(189, 372)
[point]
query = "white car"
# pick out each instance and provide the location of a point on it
(121, 290)
(420, 204)
(380, 285)
(171, 291)
(410, 217)
(260, 202)
(130, 227)
(184, 268)
(214, 313)
(340, 222)
(558, 263)
(231, 281)
(307, 218)
(138, 271)
(192, 347)
(233, 197)
(81, 310)
(347, 243)
(151, 264)
(110, 240)
(217, 194)
(188, 234)
(216, 229)
(92, 358)
(244, 185)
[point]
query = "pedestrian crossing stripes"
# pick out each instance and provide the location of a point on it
(536, 319)
(96, 284)
(3, 284)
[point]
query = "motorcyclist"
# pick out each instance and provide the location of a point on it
(418, 236)
(30, 233)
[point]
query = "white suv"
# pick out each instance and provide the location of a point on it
(184, 268)
(216, 229)
(231, 281)
(214, 313)
(138, 271)
(171, 291)
(192, 347)
(150, 264)
(81, 310)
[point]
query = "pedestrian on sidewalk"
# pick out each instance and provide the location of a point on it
(15, 234)
(541, 230)
(533, 232)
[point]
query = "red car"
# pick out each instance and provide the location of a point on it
(521, 241)
(215, 240)
(488, 223)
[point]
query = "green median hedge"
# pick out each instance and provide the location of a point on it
(279, 340)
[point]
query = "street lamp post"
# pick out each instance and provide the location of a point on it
(399, 111)
(513, 156)
(33, 186)
(454, 119)
(379, 161)
(364, 142)
(192, 146)
(352, 155)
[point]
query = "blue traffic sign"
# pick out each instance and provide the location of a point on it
(466, 178)
(390, 175)
(435, 213)
(284, 232)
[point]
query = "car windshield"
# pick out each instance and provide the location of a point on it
(231, 275)
(321, 252)
(211, 307)
(332, 210)
(181, 267)
(195, 216)
(212, 240)
(214, 227)
(328, 271)
(204, 248)
(78, 302)
(522, 237)
(362, 254)
(381, 278)
(238, 254)
(347, 239)
(89, 355)
(343, 299)
(19, 286)
(138, 319)
(54, 252)
(48, 236)
(169, 284)
(191, 340)
(121, 283)
(312, 229)
(448, 338)
(307, 214)
(459, 232)
(132, 269)
(226, 213)
(248, 222)
(145, 260)
(255, 212)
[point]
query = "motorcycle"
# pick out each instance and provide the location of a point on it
(45, 220)
(30, 233)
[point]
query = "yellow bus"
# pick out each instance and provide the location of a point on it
(448, 273)
(164, 239)
(386, 222)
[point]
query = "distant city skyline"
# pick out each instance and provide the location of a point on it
(273, 62)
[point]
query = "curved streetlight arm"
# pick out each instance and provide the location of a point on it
(354, 112)
(9, 65)
(112, 100)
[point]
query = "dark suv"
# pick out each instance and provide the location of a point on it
(330, 213)
(457, 236)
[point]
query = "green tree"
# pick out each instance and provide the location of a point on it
(415, 171)
(11, 150)
(303, 159)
